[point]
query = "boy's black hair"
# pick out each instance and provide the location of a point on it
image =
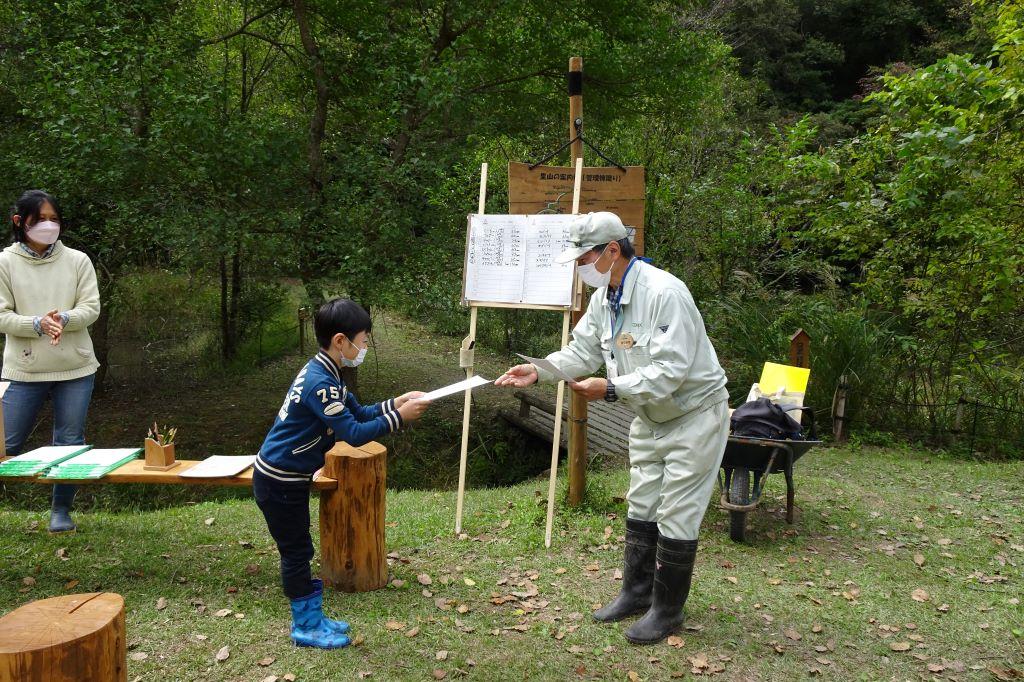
(28, 207)
(625, 246)
(340, 316)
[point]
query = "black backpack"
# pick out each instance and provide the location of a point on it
(762, 418)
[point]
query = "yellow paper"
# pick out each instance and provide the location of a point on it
(789, 379)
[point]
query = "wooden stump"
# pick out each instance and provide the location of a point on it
(352, 555)
(74, 638)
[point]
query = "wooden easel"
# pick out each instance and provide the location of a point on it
(466, 353)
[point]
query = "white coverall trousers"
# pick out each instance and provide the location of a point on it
(672, 477)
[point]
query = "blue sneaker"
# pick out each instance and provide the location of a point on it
(310, 628)
(336, 625)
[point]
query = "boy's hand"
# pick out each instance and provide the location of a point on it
(413, 409)
(406, 397)
(519, 376)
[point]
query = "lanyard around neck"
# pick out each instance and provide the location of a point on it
(615, 302)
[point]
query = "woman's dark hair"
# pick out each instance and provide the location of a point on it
(340, 316)
(625, 246)
(28, 207)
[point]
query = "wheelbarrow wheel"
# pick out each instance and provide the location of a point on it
(739, 493)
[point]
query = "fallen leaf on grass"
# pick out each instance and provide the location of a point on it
(271, 678)
(412, 632)
(394, 625)
(264, 662)
(139, 656)
(161, 604)
(469, 581)
(943, 608)
(62, 554)
(632, 676)
(223, 654)
(424, 579)
(440, 674)
(676, 641)
(936, 667)
(900, 646)
(71, 584)
(919, 560)
(223, 613)
(792, 634)
(560, 570)
(733, 579)
(28, 581)
(919, 595)
(209, 521)
(289, 677)
(252, 569)
(817, 628)
(441, 655)
(1006, 673)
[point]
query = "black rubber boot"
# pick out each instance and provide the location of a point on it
(637, 574)
(673, 571)
(60, 508)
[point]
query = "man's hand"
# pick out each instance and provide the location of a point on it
(519, 376)
(591, 389)
(52, 326)
(413, 409)
(406, 397)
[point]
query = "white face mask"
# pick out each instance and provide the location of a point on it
(44, 232)
(360, 356)
(591, 277)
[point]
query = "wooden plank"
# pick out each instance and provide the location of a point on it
(603, 188)
(132, 472)
(541, 425)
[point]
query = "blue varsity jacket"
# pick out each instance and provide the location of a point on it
(317, 412)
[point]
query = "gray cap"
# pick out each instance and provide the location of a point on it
(590, 230)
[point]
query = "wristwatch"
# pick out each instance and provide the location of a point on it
(609, 393)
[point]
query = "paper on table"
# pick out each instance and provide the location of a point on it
(459, 387)
(543, 364)
(50, 454)
(219, 466)
(101, 457)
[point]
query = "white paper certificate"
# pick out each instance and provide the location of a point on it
(543, 364)
(459, 387)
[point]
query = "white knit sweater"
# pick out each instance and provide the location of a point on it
(29, 287)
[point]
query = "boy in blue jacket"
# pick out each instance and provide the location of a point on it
(317, 412)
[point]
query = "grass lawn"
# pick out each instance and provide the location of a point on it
(901, 565)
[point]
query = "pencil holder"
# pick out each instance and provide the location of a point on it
(159, 457)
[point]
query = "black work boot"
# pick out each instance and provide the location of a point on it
(60, 508)
(672, 573)
(637, 574)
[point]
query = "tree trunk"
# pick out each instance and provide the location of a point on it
(72, 638)
(353, 558)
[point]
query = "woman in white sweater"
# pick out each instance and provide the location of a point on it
(48, 298)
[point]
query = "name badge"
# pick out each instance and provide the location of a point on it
(624, 341)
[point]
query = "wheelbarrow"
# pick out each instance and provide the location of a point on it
(745, 468)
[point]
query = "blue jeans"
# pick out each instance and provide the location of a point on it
(22, 403)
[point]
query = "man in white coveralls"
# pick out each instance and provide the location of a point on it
(643, 325)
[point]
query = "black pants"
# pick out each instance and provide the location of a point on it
(285, 506)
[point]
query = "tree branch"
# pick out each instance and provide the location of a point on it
(241, 29)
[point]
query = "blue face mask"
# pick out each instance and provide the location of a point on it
(360, 356)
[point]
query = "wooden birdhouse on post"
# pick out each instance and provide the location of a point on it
(800, 349)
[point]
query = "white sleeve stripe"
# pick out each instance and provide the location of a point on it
(391, 421)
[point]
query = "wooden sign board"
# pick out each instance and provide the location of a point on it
(603, 188)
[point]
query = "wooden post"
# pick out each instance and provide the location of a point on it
(4, 385)
(577, 405)
(466, 361)
(839, 411)
(800, 349)
(556, 442)
(352, 555)
(72, 638)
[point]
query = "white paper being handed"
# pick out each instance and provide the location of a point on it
(459, 387)
(541, 363)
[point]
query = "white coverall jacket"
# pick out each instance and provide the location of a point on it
(663, 366)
